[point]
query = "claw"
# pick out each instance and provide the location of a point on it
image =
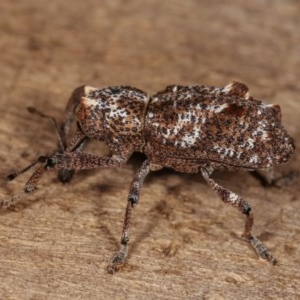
(118, 260)
(261, 250)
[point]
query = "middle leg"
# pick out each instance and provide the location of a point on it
(133, 198)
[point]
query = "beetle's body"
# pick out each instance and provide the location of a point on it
(185, 128)
(190, 129)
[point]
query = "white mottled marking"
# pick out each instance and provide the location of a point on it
(251, 143)
(89, 89)
(150, 115)
(189, 140)
(217, 108)
(233, 198)
(254, 159)
(228, 87)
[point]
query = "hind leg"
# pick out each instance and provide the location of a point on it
(233, 199)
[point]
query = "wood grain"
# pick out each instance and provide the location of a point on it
(185, 244)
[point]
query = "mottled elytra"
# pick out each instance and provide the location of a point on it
(187, 128)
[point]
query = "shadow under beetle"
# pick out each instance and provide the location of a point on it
(187, 128)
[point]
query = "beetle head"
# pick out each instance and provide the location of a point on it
(115, 115)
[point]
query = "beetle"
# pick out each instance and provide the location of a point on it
(191, 129)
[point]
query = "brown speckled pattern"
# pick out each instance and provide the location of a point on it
(115, 115)
(188, 127)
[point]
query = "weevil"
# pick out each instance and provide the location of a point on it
(191, 129)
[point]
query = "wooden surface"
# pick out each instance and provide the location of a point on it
(185, 243)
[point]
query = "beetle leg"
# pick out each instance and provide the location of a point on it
(77, 144)
(70, 110)
(78, 140)
(29, 187)
(66, 175)
(84, 161)
(286, 179)
(60, 143)
(238, 202)
(67, 160)
(267, 178)
(133, 198)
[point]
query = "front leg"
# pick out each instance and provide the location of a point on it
(238, 202)
(133, 198)
(65, 175)
(67, 160)
(74, 159)
(77, 144)
(84, 161)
